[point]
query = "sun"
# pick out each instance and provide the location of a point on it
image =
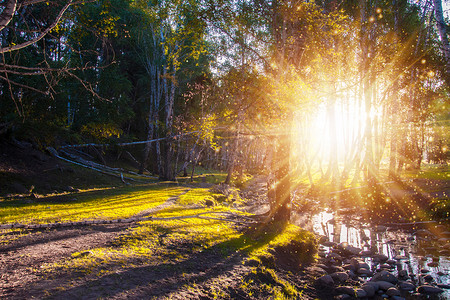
(329, 130)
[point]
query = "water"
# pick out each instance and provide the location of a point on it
(413, 250)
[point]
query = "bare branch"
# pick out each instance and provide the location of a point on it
(7, 13)
(40, 36)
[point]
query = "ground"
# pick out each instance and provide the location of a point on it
(200, 244)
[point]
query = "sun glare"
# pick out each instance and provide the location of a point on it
(330, 130)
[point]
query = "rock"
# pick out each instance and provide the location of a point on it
(329, 244)
(380, 258)
(345, 290)
(444, 286)
(209, 203)
(321, 239)
(444, 240)
(343, 297)
(402, 274)
(406, 286)
(397, 298)
(400, 257)
(385, 276)
(349, 267)
(317, 270)
(373, 284)
(440, 273)
(325, 281)
(363, 265)
(428, 278)
(385, 266)
(424, 233)
(335, 256)
(433, 264)
(365, 271)
(380, 228)
(339, 277)
(360, 293)
(19, 188)
(334, 269)
(424, 271)
(429, 290)
(369, 289)
(366, 253)
(393, 292)
(384, 285)
(391, 261)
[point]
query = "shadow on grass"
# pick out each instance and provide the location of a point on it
(59, 234)
(160, 280)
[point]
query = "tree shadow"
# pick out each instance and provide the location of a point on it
(160, 280)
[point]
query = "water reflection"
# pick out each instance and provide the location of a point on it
(416, 251)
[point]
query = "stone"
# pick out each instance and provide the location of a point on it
(428, 278)
(406, 286)
(340, 277)
(391, 261)
(380, 228)
(360, 293)
(397, 298)
(365, 271)
(317, 270)
(349, 267)
(329, 244)
(385, 276)
(374, 284)
(363, 265)
(380, 258)
(424, 233)
(429, 290)
(19, 188)
(369, 289)
(384, 285)
(402, 274)
(385, 266)
(424, 271)
(325, 281)
(443, 286)
(393, 292)
(335, 256)
(433, 264)
(345, 290)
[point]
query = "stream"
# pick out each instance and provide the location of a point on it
(422, 252)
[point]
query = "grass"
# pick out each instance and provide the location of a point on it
(89, 205)
(177, 244)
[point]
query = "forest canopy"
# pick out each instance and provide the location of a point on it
(332, 90)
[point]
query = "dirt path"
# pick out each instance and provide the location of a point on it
(22, 258)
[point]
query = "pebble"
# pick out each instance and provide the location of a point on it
(339, 277)
(402, 274)
(429, 290)
(384, 285)
(406, 286)
(393, 292)
(369, 289)
(424, 271)
(385, 276)
(444, 286)
(325, 280)
(345, 290)
(428, 278)
(360, 293)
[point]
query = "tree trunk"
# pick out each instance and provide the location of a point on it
(442, 28)
(282, 211)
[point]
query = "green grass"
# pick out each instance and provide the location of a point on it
(90, 205)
